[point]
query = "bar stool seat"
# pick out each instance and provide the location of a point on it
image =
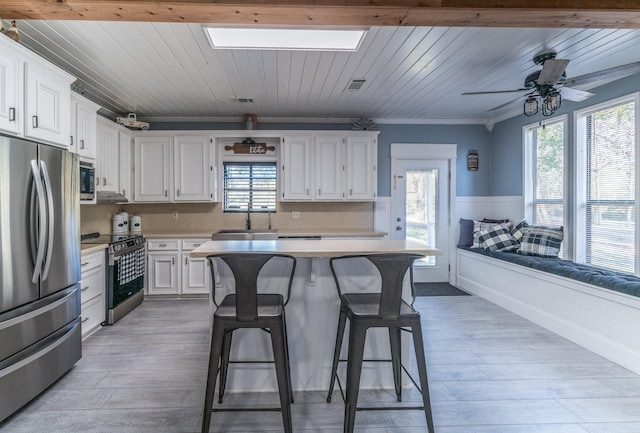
(269, 305)
(246, 308)
(383, 309)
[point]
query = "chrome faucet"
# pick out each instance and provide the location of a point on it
(248, 218)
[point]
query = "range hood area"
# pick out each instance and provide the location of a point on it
(110, 197)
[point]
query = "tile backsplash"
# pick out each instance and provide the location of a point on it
(208, 217)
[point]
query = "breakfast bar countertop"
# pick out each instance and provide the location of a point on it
(317, 247)
(297, 233)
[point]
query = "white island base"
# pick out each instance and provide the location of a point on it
(311, 315)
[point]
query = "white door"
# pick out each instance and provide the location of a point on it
(421, 211)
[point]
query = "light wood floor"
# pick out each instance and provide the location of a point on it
(490, 371)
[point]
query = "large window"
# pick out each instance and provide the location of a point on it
(250, 186)
(607, 185)
(545, 172)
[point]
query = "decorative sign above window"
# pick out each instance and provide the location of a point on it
(250, 148)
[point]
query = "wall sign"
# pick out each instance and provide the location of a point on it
(472, 160)
(250, 149)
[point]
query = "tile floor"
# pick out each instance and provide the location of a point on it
(490, 371)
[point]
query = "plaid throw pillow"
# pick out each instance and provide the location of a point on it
(541, 241)
(497, 239)
(518, 230)
(479, 226)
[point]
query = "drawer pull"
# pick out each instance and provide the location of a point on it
(84, 320)
(12, 114)
(162, 245)
(85, 288)
(196, 245)
(84, 264)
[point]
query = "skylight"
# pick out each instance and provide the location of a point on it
(284, 39)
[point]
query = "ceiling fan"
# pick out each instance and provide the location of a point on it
(550, 84)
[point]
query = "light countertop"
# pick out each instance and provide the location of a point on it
(352, 233)
(317, 248)
(92, 248)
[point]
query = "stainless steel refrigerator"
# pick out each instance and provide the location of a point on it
(40, 337)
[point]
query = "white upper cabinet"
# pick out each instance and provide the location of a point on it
(34, 96)
(47, 102)
(152, 162)
(296, 168)
(10, 89)
(108, 160)
(329, 168)
(361, 168)
(84, 135)
(192, 168)
(174, 169)
(126, 166)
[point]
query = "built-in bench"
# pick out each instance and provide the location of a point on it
(618, 281)
(596, 308)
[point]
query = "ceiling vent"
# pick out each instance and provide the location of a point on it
(356, 84)
(243, 99)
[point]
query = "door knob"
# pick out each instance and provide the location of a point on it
(398, 219)
(398, 228)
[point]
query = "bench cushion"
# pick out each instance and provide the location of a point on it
(618, 281)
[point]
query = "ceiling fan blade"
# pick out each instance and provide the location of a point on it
(513, 101)
(605, 74)
(496, 91)
(575, 95)
(551, 72)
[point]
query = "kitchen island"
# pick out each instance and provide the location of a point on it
(312, 312)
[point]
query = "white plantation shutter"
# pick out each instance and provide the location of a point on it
(250, 186)
(610, 188)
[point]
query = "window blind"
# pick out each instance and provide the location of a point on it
(548, 174)
(250, 186)
(611, 179)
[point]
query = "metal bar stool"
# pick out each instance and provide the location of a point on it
(380, 309)
(246, 308)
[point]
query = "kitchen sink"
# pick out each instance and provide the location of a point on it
(244, 235)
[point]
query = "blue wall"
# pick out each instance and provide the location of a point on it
(468, 183)
(506, 137)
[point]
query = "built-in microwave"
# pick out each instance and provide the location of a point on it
(87, 182)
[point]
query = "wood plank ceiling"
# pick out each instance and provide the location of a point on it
(167, 70)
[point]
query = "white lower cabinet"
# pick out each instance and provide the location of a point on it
(92, 295)
(172, 271)
(196, 276)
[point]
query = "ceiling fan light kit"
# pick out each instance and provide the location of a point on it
(547, 87)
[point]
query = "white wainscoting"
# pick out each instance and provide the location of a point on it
(604, 321)
(477, 208)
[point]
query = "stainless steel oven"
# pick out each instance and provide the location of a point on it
(126, 268)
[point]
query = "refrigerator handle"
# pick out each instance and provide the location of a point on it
(37, 268)
(50, 220)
